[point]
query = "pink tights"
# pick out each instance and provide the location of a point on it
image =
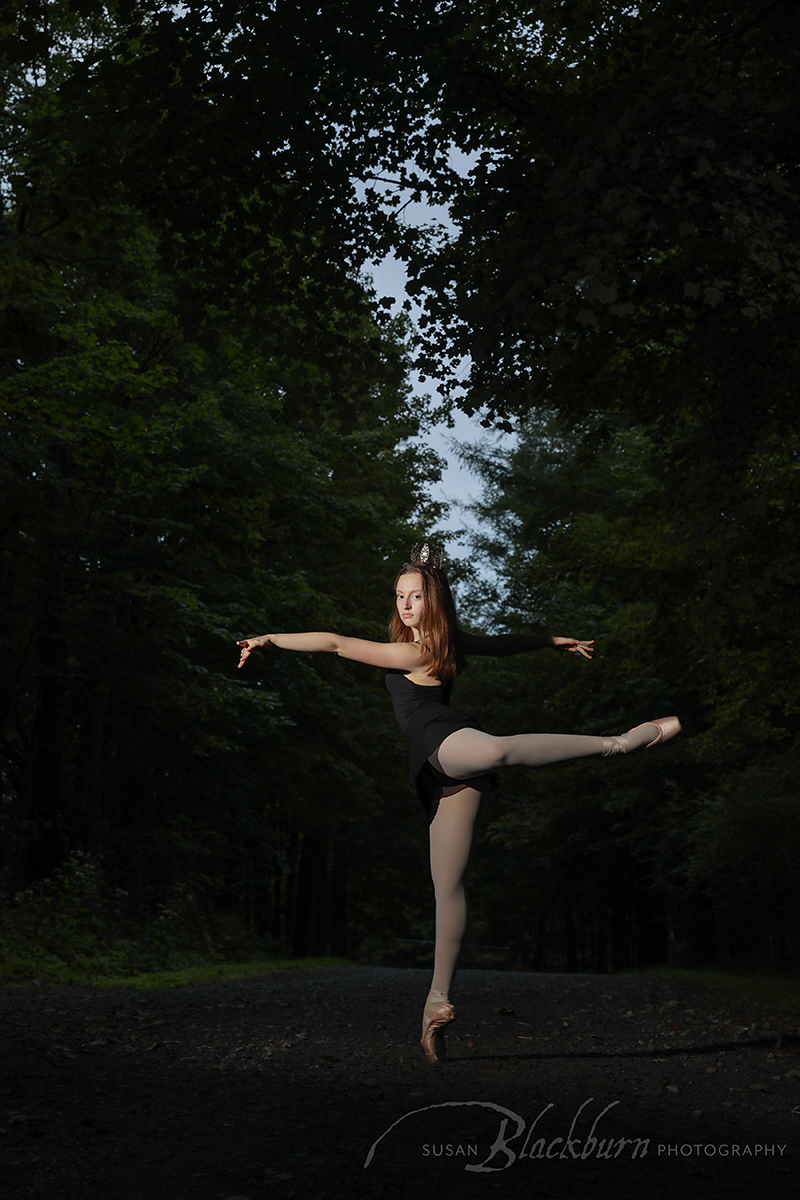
(452, 837)
(463, 755)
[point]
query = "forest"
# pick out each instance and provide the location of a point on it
(209, 431)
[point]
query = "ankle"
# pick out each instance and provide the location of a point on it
(634, 739)
(435, 1000)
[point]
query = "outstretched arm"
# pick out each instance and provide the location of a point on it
(502, 644)
(401, 656)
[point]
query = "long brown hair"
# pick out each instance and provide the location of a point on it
(440, 641)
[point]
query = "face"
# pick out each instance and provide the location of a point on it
(409, 599)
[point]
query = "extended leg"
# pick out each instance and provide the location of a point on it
(470, 752)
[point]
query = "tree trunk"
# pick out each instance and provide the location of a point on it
(49, 848)
(338, 933)
(310, 917)
(569, 941)
(89, 820)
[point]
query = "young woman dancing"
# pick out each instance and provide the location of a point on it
(451, 759)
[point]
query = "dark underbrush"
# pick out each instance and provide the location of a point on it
(76, 928)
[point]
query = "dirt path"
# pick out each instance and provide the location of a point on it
(281, 1087)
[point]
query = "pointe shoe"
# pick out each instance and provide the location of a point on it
(668, 727)
(432, 1041)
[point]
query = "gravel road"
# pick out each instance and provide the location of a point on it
(311, 1084)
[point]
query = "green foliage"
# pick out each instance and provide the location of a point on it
(204, 425)
(206, 973)
(691, 853)
(203, 431)
(776, 994)
(744, 852)
(76, 927)
(627, 233)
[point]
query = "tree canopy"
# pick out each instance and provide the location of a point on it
(206, 421)
(202, 434)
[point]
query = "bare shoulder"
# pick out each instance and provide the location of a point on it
(391, 656)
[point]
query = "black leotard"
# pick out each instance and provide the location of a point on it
(426, 718)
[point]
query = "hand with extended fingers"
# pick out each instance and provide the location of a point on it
(575, 645)
(251, 644)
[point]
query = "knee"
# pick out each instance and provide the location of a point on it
(497, 753)
(447, 891)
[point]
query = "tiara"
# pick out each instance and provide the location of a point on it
(424, 553)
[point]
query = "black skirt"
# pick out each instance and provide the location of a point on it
(426, 719)
(426, 730)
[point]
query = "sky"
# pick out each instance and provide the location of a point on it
(457, 486)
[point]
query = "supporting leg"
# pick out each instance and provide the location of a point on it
(452, 839)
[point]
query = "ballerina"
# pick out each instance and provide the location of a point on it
(452, 761)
